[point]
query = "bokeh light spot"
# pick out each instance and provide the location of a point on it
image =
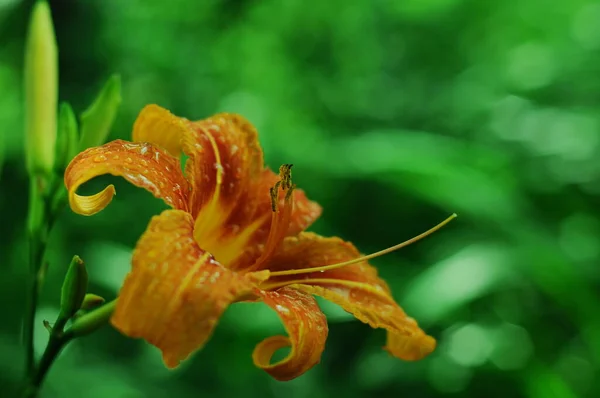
(531, 66)
(470, 345)
(585, 26)
(455, 281)
(512, 347)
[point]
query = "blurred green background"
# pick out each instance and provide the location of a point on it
(395, 114)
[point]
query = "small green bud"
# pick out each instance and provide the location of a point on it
(97, 120)
(91, 301)
(67, 143)
(92, 321)
(41, 91)
(73, 289)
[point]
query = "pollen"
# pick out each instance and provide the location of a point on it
(285, 173)
(285, 182)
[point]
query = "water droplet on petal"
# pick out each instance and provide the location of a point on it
(129, 160)
(282, 309)
(100, 159)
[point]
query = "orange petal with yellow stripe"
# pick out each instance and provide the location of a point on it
(142, 164)
(230, 195)
(356, 288)
(176, 292)
(306, 327)
(224, 159)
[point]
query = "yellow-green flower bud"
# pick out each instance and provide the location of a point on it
(41, 91)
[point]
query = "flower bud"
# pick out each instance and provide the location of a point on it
(91, 301)
(73, 289)
(92, 321)
(41, 91)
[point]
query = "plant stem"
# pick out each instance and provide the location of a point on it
(36, 253)
(41, 217)
(57, 341)
(37, 226)
(86, 324)
(46, 199)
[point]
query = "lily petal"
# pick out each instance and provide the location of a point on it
(176, 292)
(160, 127)
(231, 188)
(225, 157)
(141, 164)
(356, 288)
(306, 326)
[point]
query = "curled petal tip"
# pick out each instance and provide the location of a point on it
(141, 164)
(90, 205)
(307, 331)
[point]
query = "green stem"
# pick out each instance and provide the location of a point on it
(55, 345)
(36, 254)
(86, 324)
(41, 216)
(37, 228)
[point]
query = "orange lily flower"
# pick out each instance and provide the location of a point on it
(235, 233)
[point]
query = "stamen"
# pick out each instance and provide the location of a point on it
(274, 191)
(365, 258)
(285, 182)
(285, 173)
(280, 219)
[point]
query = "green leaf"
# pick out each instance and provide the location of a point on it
(67, 143)
(97, 120)
(73, 289)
